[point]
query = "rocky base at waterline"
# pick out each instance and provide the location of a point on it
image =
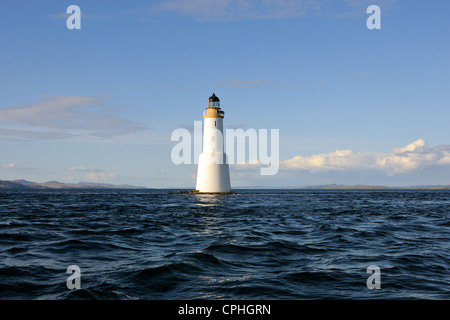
(200, 193)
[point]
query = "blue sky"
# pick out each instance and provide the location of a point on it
(99, 104)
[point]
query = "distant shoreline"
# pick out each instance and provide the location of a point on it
(55, 185)
(52, 185)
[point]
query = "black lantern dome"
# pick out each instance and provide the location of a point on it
(214, 98)
(213, 101)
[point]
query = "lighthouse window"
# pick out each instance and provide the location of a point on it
(215, 123)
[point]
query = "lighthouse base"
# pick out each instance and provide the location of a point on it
(196, 192)
(213, 177)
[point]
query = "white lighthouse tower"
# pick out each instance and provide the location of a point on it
(213, 175)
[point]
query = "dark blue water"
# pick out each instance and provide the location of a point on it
(276, 244)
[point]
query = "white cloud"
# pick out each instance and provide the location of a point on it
(34, 134)
(65, 116)
(92, 173)
(229, 10)
(14, 166)
(413, 157)
(223, 10)
(101, 176)
(81, 168)
(445, 159)
(9, 165)
(416, 146)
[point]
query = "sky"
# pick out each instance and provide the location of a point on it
(353, 105)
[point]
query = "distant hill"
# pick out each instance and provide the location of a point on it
(368, 187)
(344, 187)
(355, 187)
(24, 185)
(12, 185)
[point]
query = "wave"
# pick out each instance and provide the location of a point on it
(286, 245)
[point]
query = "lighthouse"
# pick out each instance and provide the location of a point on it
(213, 173)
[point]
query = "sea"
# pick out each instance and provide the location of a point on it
(256, 244)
